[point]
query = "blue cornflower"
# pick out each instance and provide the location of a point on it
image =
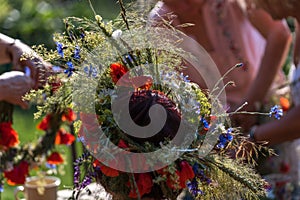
(205, 123)
(128, 59)
(91, 71)
(223, 139)
(77, 52)
(1, 187)
(184, 78)
(80, 139)
(197, 170)
(70, 69)
(56, 69)
(276, 111)
(229, 136)
(193, 188)
(220, 146)
(50, 166)
(197, 106)
(82, 35)
(59, 48)
(239, 65)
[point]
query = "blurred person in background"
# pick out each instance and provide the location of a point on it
(233, 31)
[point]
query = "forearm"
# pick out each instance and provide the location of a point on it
(297, 45)
(286, 129)
(2, 89)
(5, 45)
(274, 57)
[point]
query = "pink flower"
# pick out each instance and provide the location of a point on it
(144, 185)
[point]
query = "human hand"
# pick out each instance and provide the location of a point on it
(23, 56)
(13, 85)
(245, 121)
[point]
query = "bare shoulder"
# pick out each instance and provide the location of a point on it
(265, 24)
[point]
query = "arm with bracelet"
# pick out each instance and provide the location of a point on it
(275, 132)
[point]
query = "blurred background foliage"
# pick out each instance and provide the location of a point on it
(35, 21)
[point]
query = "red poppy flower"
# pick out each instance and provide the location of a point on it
(144, 185)
(117, 70)
(44, 124)
(284, 103)
(55, 159)
(107, 171)
(142, 82)
(186, 173)
(62, 137)
(173, 180)
(180, 177)
(122, 144)
(18, 174)
(8, 136)
(69, 115)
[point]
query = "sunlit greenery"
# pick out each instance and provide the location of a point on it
(35, 21)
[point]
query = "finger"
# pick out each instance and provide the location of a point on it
(33, 68)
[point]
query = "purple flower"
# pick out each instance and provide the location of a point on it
(86, 181)
(82, 35)
(77, 52)
(276, 111)
(59, 48)
(70, 69)
(193, 188)
(1, 187)
(184, 78)
(91, 71)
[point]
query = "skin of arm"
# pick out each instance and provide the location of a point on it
(278, 40)
(11, 51)
(297, 45)
(285, 129)
(13, 85)
(5, 42)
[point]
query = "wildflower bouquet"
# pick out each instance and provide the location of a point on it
(148, 131)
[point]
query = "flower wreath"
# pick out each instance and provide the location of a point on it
(86, 71)
(17, 160)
